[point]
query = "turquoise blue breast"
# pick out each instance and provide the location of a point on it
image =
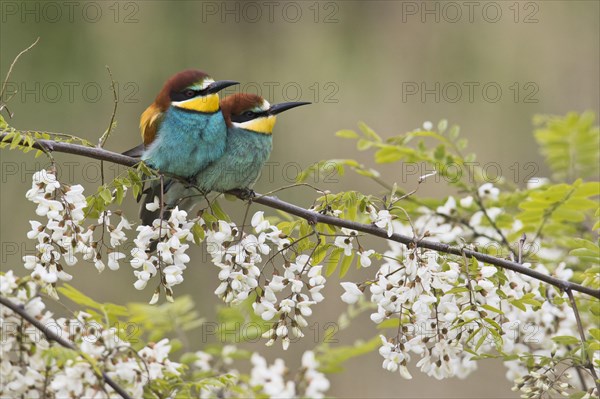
(239, 167)
(187, 142)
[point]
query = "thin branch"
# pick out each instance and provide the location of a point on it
(52, 336)
(76, 149)
(584, 350)
(106, 134)
(315, 217)
(483, 209)
(521, 245)
(2, 106)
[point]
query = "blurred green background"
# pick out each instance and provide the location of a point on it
(392, 65)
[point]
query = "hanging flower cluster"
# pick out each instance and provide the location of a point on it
(169, 236)
(287, 295)
(442, 310)
(62, 237)
(35, 367)
(270, 380)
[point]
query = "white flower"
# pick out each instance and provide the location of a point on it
(487, 190)
(352, 294)
(203, 361)
(345, 243)
(427, 125)
(448, 310)
(154, 205)
(383, 220)
(449, 208)
(466, 202)
(30, 261)
(537, 182)
(364, 259)
(36, 228)
(8, 282)
(488, 271)
(266, 310)
(259, 222)
(393, 359)
(378, 317)
(113, 260)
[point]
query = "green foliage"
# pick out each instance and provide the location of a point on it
(60, 355)
(556, 207)
(159, 321)
(333, 359)
(444, 155)
(564, 215)
(240, 324)
(570, 144)
(107, 314)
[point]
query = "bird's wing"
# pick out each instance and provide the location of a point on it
(149, 122)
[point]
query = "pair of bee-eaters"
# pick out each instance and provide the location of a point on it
(214, 145)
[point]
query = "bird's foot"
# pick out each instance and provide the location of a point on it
(246, 194)
(190, 182)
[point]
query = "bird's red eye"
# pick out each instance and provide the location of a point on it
(189, 93)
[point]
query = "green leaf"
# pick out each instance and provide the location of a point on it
(347, 134)
(518, 304)
(346, 263)
(363, 144)
(388, 154)
(570, 144)
(120, 194)
(218, 211)
(333, 260)
(442, 126)
(198, 233)
(492, 309)
(319, 254)
(60, 355)
(369, 133)
(566, 340)
(331, 359)
(79, 297)
(3, 124)
(105, 194)
(16, 140)
(389, 323)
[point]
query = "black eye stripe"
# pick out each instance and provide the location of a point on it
(247, 116)
(184, 94)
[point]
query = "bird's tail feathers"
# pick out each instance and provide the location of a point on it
(135, 152)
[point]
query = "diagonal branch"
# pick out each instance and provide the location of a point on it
(584, 351)
(52, 336)
(315, 217)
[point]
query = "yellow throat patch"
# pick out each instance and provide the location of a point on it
(262, 125)
(206, 104)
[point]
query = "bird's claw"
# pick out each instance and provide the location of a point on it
(190, 182)
(247, 194)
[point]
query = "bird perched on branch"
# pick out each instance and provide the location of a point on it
(183, 131)
(250, 120)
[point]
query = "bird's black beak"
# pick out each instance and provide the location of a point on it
(217, 86)
(279, 108)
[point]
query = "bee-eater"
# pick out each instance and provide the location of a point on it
(250, 120)
(183, 131)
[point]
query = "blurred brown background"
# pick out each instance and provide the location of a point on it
(392, 65)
